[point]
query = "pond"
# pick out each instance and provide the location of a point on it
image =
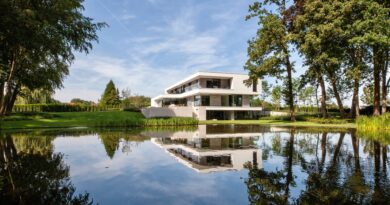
(213, 164)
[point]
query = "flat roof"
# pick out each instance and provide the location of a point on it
(203, 73)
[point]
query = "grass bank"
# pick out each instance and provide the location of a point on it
(281, 123)
(376, 123)
(375, 128)
(302, 121)
(87, 119)
(112, 119)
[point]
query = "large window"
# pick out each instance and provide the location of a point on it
(205, 100)
(235, 100)
(201, 100)
(213, 83)
(177, 102)
(247, 115)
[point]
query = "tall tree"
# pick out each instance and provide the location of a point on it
(374, 33)
(37, 42)
(320, 37)
(110, 95)
(269, 51)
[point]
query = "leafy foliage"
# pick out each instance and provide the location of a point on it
(37, 42)
(269, 52)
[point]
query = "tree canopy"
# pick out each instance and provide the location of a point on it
(37, 44)
(269, 52)
(344, 45)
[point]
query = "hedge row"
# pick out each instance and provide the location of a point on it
(63, 108)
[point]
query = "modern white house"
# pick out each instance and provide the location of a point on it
(206, 96)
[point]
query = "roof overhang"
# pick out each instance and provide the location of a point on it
(198, 75)
(205, 91)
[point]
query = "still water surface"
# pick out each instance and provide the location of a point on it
(231, 164)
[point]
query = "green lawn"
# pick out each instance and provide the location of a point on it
(67, 119)
(131, 119)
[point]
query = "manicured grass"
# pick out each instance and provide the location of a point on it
(283, 123)
(135, 119)
(87, 119)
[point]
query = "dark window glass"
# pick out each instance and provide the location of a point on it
(205, 100)
(254, 84)
(235, 100)
(213, 83)
(238, 100)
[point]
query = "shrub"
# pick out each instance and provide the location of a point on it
(175, 121)
(131, 109)
(327, 120)
(63, 108)
(152, 122)
(374, 123)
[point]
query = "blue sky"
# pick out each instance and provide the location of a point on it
(150, 44)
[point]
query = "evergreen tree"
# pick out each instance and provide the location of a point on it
(110, 95)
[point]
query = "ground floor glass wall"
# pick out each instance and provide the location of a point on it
(228, 115)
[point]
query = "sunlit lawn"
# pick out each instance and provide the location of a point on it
(124, 119)
(66, 119)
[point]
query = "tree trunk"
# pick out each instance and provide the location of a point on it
(337, 95)
(384, 86)
(355, 146)
(337, 149)
(1, 92)
(11, 103)
(377, 69)
(6, 97)
(318, 105)
(357, 58)
(290, 96)
(323, 97)
(323, 151)
(355, 100)
(384, 158)
(289, 175)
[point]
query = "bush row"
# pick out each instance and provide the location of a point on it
(152, 122)
(174, 121)
(68, 108)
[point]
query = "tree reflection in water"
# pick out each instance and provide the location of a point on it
(272, 187)
(343, 178)
(111, 141)
(31, 173)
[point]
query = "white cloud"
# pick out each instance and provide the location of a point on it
(165, 50)
(127, 17)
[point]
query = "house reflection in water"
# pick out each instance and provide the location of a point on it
(208, 149)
